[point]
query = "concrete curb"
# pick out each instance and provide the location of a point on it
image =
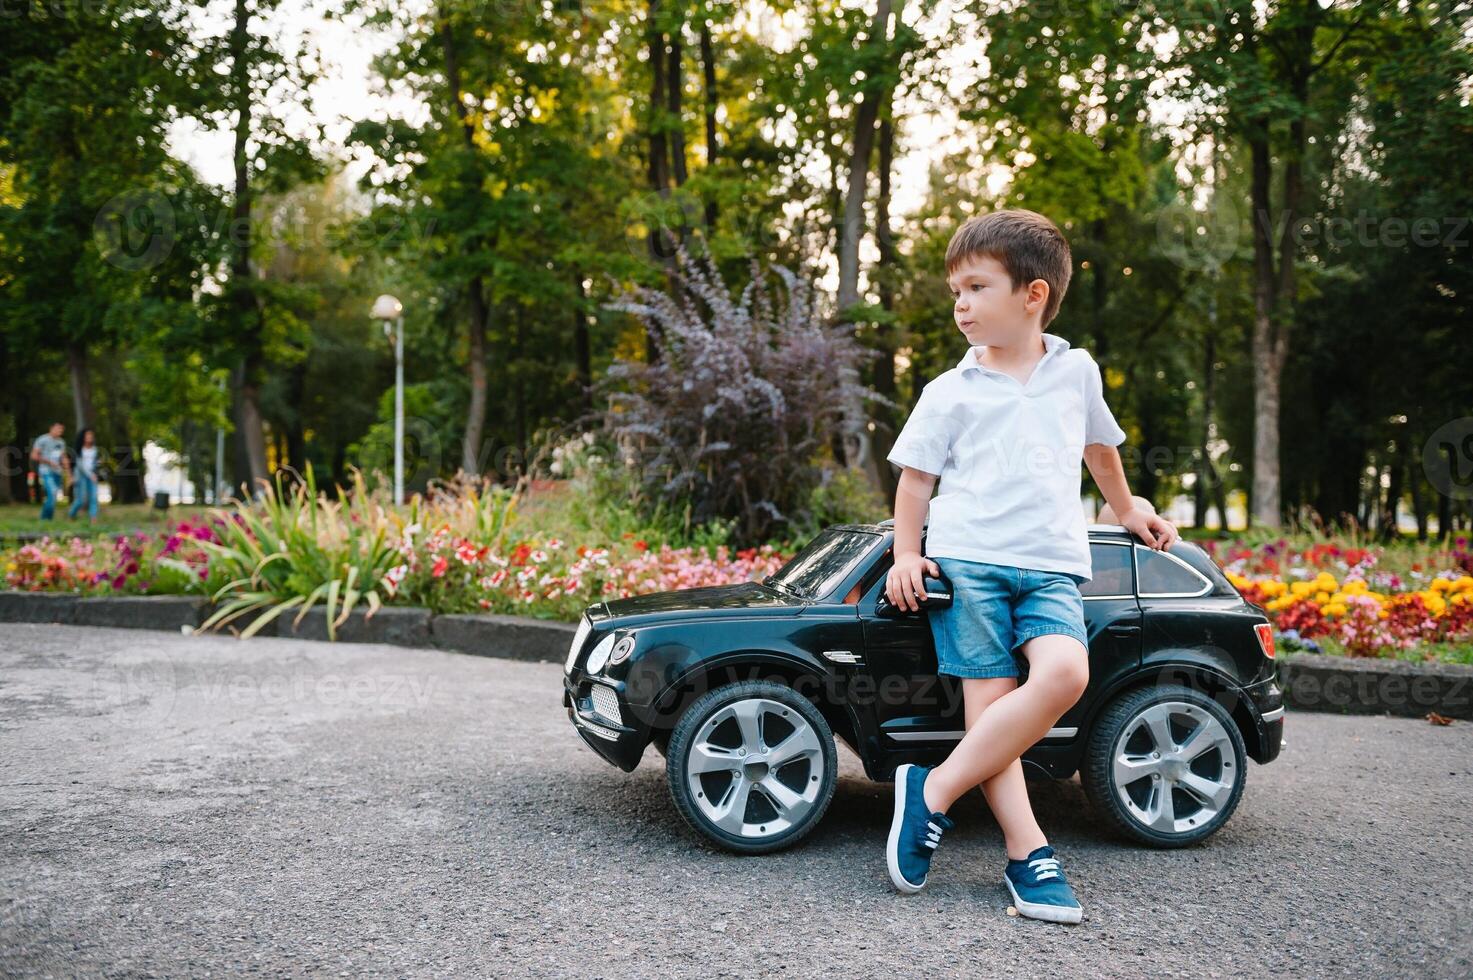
(484, 635)
(405, 626)
(1375, 686)
(514, 637)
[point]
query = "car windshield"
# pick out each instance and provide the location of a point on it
(817, 569)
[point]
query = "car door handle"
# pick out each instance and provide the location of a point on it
(1124, 629)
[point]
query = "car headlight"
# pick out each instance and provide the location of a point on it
(579, 638)
(599, 658)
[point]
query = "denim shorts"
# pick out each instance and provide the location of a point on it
(995, 609)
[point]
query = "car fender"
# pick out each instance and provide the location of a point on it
(1197, 669)
(807, 674)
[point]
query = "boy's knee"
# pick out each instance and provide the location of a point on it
(1067, 676)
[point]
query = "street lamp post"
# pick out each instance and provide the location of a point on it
(391, 311)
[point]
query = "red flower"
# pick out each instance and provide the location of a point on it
(438, 569)
(641, 546)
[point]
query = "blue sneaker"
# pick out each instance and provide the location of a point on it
(914, 831)
(1039, 889)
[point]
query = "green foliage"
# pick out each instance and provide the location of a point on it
(299, 549)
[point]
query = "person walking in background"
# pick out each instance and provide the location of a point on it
(48, 452)
(84, 488)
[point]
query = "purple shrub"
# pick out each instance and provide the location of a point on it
(733, 416)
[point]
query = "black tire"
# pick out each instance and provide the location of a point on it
(1126, 732)
(780, 713)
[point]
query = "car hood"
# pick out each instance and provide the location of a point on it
(707, 602)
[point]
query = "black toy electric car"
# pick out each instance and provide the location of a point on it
(743, 687)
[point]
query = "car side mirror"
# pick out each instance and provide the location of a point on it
(938, 596)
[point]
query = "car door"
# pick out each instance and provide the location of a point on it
(910, 702)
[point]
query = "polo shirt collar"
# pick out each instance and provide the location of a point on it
(1051, 343)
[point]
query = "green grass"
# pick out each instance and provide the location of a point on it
(111, 519)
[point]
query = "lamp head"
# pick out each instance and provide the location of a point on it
(387, 307)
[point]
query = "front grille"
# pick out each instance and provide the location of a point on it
(598, 730)
(606, 703)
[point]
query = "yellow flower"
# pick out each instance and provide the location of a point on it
(1333, 609)
(1301, 588)
(1439, 584)
(1322, 597)
(1464, 583)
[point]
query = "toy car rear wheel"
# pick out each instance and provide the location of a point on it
(1166, 765)
(752, 766)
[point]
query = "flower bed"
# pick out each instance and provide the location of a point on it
(444, 570)
(1362, 601)
(551, 578)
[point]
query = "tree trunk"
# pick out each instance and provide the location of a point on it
(1419, 503)
(854, 426)
(865, 118)
(674, 93)
(1270, 336)
(475, 422)
(245, 304)
(1445, 500)
(81, 385)
(658, 165)
(708, 70)
(884, 371)
(1390, 530)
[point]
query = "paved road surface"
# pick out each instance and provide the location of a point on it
(185, 805)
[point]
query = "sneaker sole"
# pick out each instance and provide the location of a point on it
(1048, 913)
(892, 846)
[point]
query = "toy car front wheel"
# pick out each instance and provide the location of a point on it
(752, 766)
(1166, 765)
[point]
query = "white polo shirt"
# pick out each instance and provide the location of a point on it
(1010, 457)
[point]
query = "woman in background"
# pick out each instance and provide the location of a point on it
(84, 489)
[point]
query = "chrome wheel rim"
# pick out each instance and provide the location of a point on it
(755, 768)
(1175, 767)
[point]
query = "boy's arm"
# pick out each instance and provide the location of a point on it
(912, 501)
(906, 579)
(1108, 471)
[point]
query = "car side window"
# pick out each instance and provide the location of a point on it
(1161, 575)
(1110, 569)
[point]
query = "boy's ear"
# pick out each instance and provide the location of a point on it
(1037, 293)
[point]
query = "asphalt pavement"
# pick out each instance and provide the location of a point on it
(187, 806)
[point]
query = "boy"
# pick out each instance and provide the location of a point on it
(1005, 430)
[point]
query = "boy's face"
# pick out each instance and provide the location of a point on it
(985, 306)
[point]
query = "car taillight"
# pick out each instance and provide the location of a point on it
(1265, 639)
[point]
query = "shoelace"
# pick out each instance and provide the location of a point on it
(933, 836)
(1045, 868)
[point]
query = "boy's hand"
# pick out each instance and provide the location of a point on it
(907, 579)
(1153, 529)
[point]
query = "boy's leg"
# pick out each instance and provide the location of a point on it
(1007, 792)
(1058, 671)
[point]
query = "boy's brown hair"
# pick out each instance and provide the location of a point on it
(1026, 243)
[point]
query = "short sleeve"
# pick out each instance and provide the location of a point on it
(1099, 424)
(925, 439)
